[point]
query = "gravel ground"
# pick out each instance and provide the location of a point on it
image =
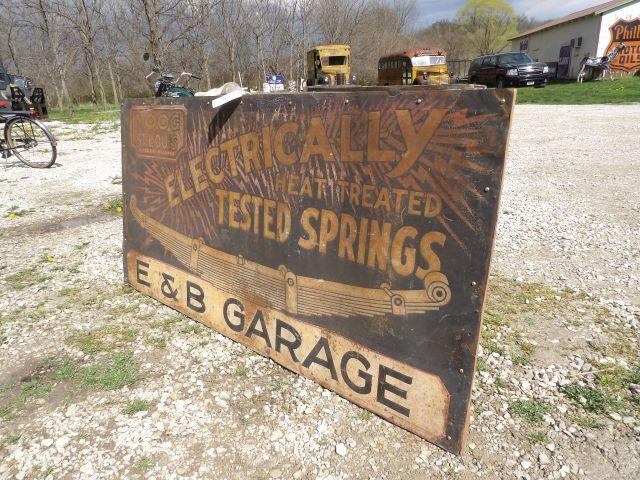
(98, 381)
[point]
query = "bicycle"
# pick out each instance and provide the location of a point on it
(28, 139)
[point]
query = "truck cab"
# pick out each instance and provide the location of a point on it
(329, 65)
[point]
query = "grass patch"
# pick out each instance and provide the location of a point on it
(167, 324)
(538, 437)
(12, 439)
(27, 277)
(588, 421)
(593, 400)
(500, 383)
(620, 90)
(114, 205)
(85, 113)
(531, 411)
(66, 369)
(192, 328)
(104, 339)
(241, 371)
(144, 464)
(136, 405)
(121, 370)
(16, 211)
(365, 415)
(157, 342)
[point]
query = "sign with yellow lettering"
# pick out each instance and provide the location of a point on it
(627, 33)
(344, 234)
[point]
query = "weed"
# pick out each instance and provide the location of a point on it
(532, 411)
(365, 415)
(6, 412)
(591, 399)
(16, 211)
(104, 339)
(588, 421)
(12, 439)
(241, 371)
(538, 437)
(482, 365)
(494, 347)
(66, 370)
(114, 205)
(494, 318)
(34, 388)
(278, 385)
(617, 378)
(157, 342)
(121, 370)
(500, 383)
(82, 246)
(26, 278)
(167, 324)
(192, 328)
(136, 405)
(70, 292)
(144, 464)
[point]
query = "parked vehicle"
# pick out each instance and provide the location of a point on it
(417, 66)
(329, 65)
(28, 139)
(502, 70)
(18, 94)
(167, 85)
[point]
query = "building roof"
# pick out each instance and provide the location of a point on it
(596, 10)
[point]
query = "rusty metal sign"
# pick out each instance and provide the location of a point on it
(345, 234)
(627, 33)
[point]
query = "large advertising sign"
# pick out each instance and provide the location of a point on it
(626, 32)
(346, 235)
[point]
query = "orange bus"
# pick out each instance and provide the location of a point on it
(417, 66)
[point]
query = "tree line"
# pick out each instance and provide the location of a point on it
(91, 50)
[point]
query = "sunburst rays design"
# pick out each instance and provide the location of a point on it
(462, 152)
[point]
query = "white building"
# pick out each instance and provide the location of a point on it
(564, 42)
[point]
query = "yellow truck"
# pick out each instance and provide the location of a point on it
(329, 65)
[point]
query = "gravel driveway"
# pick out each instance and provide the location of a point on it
(98, 381)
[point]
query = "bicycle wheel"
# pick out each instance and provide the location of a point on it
(31, 141)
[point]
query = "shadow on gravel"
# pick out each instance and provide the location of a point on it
(58, 225)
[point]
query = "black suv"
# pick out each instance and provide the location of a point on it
(508, 70)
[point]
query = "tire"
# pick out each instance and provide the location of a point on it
(31, 141)
(500, 83)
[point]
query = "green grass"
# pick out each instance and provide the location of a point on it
(26, 278)
(620, 90)
(592, 399)
(104, 339)
(114, 205)
(66, 369)
(85, 113)
(537, 437)
(531, 411)
(144, 464)
(136, 405)
(120, 371)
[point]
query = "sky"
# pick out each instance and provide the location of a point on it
(433, 10)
